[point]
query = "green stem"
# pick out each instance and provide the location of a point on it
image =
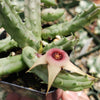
(64, 44)
(14, 26)
(95, 38)
(33, 17)
(7, 43)
(49, 2)
(11, 64)
(51, 14)
(67, 28)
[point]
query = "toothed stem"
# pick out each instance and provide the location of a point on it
(11, 64)
(67, 28)
(33, 17)
(14, 25)
(19, 5)
(49, 2)
(7, 43)
(51, 14)
(64, 44)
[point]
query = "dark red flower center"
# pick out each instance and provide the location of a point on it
(57, 55)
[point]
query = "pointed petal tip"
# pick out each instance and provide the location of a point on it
(29, 70)
(71, 67)
(47, 92)
(53, 71)
(41, 60)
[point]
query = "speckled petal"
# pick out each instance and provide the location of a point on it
(71, 67)
(40, 61)
(52, 73)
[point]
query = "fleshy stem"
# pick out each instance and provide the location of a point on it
(96, 39)
(7, 43)
(14, 26)
(50, 14)
(66, 28)
(64, 44)
(11, 64)
(33, 17)
(49, 2)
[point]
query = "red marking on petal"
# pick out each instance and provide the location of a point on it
(56, 56)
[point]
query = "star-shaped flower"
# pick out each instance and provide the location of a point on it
(56, 60)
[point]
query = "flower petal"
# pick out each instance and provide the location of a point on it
(71, 67)
(52, 73)
(41, 60)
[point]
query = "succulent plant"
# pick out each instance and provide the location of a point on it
(51, 14)
(56, 60)
(28, 35)
(7, 43)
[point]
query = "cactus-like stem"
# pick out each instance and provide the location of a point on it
(51, 14)
(64, 80)
(11, 64)
(49, 2)
(33, 17)
(14, 25)
(71, 81)
(67, 28)
(30, 55)
(7, 43)
(64, 44)
(19, 5)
